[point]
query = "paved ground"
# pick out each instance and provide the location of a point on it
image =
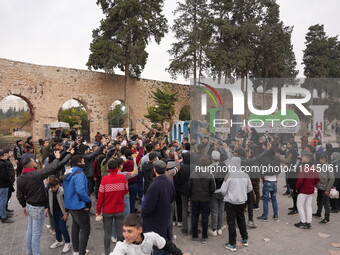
(284, 237)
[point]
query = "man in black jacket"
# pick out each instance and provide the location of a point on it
(201, 188)
(182, 180)
(32, 197)
(18, 152)
(147, 170)
(5, 183)
(89, 157)
(12, 176)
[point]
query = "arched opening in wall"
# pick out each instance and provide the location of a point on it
(184, 114)
(16, 115)
(116, 117)
(75, 114)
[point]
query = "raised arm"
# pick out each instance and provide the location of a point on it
(48, 170)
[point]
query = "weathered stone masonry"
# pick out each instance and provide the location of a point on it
(46, 88)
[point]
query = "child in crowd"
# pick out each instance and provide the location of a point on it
(138, 243)
(50, 216)
(60, 214)
(307, 179)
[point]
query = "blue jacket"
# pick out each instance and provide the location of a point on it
(75, 190)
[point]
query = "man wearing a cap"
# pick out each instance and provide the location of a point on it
(157, 206)
(5, 183)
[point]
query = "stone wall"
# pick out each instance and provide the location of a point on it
(46, 88)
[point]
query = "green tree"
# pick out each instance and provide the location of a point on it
(73, 115)
(316, 58)
(184, 114)
(246, 18)
(121, 40)
(116, 116)
(220, 57)
(192, 29)
(164, 108)
(332, 89)
(275, 57)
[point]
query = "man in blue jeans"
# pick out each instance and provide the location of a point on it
(270, 170)
(78, 203)
(32, 197)
(5, 183)
(269, 187)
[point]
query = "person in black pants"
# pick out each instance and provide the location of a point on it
(12, 175)
(201, 188)
(235, 189)
(250, 205)
(292, 178)
(324, 186)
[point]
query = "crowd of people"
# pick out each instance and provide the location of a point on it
(143, 185)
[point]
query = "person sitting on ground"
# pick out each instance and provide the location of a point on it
(138, 243)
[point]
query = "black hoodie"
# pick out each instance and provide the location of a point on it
(181, 179)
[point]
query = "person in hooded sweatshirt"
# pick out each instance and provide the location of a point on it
(78, 202)
(235, 189)
(217, 204)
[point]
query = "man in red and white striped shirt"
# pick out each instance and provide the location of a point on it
(110, 202)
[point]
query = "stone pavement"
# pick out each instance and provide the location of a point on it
(283, 237)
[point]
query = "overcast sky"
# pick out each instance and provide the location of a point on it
(59, 33)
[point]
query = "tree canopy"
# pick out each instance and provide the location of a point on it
(73, 116)
(164, 108)
(122, 37)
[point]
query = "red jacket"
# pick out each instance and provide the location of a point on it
(111, 193)
(307, 180)
(128, 165)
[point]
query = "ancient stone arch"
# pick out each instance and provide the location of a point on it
(46, 88)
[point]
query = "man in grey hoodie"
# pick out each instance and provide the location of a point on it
(235, 188)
